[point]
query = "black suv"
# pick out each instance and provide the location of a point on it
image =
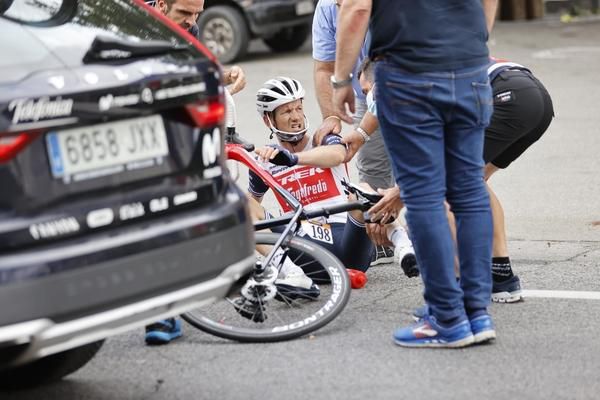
(226, 26)
(115, 206)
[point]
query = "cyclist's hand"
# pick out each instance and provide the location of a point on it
(389, 206)
(235, 77)
(331, 124)
(277, 155)
(343, 101)
(353, 142)
(378, 234)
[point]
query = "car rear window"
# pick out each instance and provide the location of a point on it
(30, 10)
(67, 28)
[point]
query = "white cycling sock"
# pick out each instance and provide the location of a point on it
(398, 236)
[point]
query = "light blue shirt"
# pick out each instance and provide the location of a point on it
(323, 39)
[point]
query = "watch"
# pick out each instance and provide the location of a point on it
(339, 84)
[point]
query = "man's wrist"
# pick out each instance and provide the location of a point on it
(340, 83)
(332, 116)
(364, 134)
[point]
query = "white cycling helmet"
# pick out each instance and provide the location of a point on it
(277, 92)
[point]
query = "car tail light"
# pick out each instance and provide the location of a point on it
(179, 30)
(12, 144)
(206, 114)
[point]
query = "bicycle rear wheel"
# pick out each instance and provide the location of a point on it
(280, 318)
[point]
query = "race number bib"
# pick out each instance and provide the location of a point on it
(320, 232)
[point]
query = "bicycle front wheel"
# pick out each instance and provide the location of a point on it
(283, 317)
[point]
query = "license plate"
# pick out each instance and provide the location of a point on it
(320, 232)
(304, 7)
(104, 149)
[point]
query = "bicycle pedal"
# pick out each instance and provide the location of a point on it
(358, 279)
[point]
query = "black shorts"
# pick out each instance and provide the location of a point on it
(522, 112)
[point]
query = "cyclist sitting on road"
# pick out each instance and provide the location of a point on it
(313, 175)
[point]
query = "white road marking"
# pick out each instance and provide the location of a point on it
(562, 294)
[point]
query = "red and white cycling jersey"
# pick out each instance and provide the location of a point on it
(314, 187)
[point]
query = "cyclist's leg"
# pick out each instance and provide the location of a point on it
(353, 246)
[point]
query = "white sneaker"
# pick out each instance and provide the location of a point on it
(295, 284)
(294, 276)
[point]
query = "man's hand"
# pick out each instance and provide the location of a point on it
(235, 77)
(353, 142)
(277, 155)
(331, 124)
(378, 234)
(389, 206)
(343, 101)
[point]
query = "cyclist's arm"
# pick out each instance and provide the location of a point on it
(256, 186)
(258, 199)
(331, 153)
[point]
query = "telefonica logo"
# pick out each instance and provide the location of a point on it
(29, 110)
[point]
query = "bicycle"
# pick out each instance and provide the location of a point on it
(255, 310)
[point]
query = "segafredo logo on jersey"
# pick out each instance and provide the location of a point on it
(308, 184)
(32, 110)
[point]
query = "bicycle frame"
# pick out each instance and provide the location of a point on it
(238, 153)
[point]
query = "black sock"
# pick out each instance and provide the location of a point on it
(501, 269)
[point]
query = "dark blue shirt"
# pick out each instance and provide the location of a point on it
(429, 35)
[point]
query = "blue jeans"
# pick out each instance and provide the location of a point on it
(433, 127)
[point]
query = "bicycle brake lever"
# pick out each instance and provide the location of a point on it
(360, 193)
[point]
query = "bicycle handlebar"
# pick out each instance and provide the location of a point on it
(320, 212)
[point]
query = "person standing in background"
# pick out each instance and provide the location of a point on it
(434, 102)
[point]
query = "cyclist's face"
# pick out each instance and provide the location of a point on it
(183, 12)
(289, 117)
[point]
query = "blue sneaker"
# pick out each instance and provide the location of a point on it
(162, 332)
(508, 291)
(482, 328)
(429, 333)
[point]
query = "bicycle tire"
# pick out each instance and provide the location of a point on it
(285, 320)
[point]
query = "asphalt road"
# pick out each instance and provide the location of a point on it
(547, 347)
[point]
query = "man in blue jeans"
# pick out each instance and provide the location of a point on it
(434, 102)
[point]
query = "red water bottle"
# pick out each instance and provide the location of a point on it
(358, 279)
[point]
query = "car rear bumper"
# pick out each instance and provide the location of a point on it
(43, 337)
(79, 291)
